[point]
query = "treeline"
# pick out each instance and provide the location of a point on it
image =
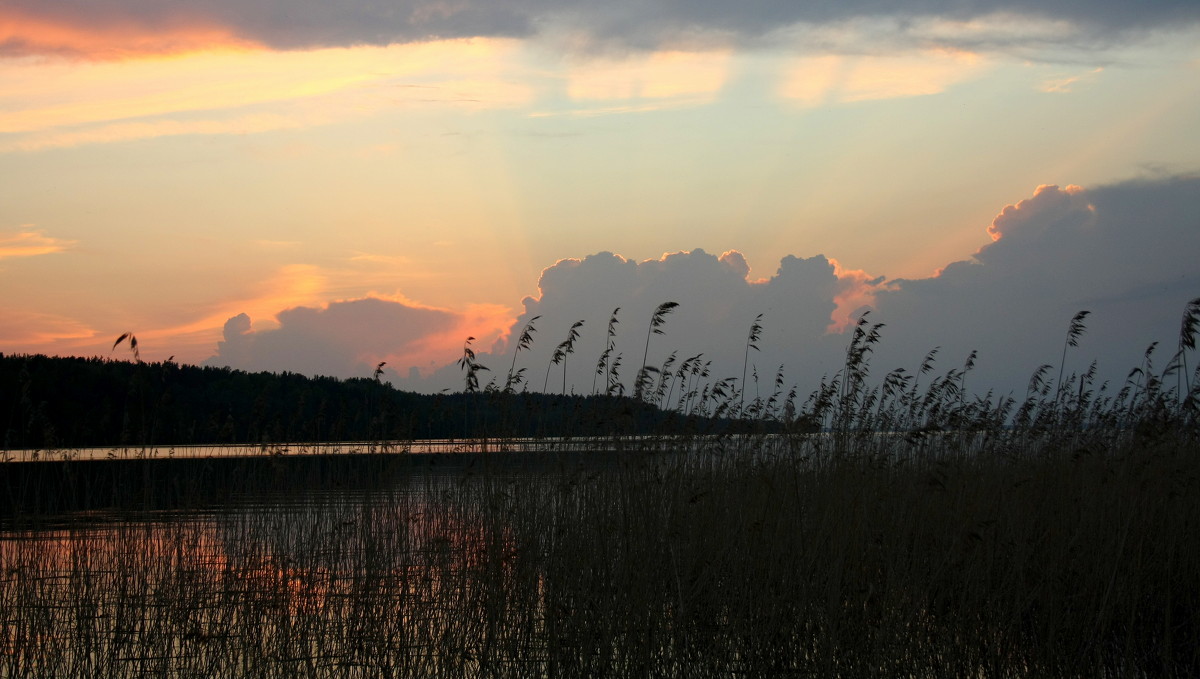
(49, 402)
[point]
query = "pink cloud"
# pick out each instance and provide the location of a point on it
(856, 291)
(343, 339)
(1047, 200)
(123, 37)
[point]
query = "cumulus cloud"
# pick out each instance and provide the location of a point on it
(112, 27)
(342, 339)
(1125, 252)
(717, 304)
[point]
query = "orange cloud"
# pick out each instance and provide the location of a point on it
(21, 34)
(192, 341)
(1065, 84)
(487, 323)
(292, 286)
(305, 285)
(348, 337)
(62, 95)
(151, 129)
(1045, 196)
(831, 79)
(31, 244)
(49, 104)
(856, 289)
(35, 332)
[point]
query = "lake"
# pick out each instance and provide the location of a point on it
(318, 583)
(736, 561)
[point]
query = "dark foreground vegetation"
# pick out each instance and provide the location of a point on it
(923, 532)
(1061, 561)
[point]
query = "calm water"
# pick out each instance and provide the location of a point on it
(416, 446)
(765, 446)
(421, 446)
(326, 583)
(732, 564)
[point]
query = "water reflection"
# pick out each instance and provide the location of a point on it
(452, 446)
(343, 583)
(675, 565)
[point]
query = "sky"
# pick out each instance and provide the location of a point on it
(319, 187)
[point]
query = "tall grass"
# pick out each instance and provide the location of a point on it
(898, 526)
(738, 562)
(646, 373)
(561, 352)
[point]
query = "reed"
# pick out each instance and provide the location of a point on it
(561, 352)
(752, 338)
(605, 364)
(471, 366)
(657, 320)
(902, 527)
(740, 561)
(524, 341)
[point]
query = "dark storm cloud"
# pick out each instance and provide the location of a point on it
(290, 24)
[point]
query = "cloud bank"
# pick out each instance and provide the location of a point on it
(116, 28)
(1125, 252)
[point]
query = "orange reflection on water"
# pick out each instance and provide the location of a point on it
(228, 583)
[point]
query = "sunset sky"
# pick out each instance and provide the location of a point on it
(317, 186)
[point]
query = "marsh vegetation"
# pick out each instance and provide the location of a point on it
(922, 532)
